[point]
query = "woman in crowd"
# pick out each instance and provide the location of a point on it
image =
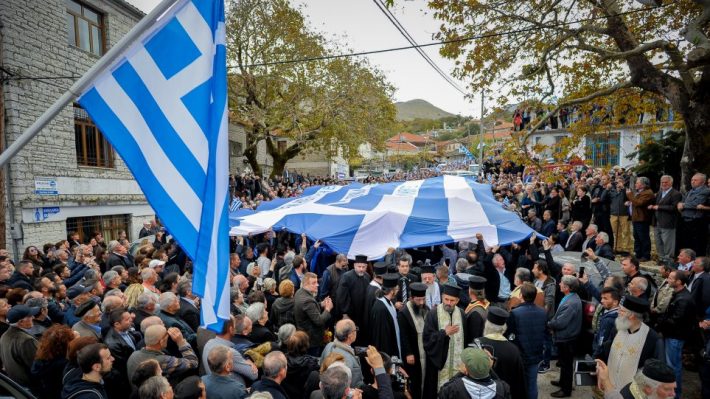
(51, 359)
(300, 365)
(282, 309)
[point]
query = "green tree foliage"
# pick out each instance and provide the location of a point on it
(330, 105)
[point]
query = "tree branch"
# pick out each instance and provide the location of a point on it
(694, 34)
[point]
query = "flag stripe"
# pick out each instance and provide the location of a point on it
(126, 145)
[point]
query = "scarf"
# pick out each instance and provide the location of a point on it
(455, 343)
(419, 327)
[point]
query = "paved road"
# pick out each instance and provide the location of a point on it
(691, 385)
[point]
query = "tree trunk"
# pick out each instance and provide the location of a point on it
(696, 153)
(279, 165)
(250, 154)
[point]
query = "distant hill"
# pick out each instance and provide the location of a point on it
(413, 109)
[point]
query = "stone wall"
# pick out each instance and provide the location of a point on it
(34, 43)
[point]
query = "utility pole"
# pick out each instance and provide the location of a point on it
(480, 142)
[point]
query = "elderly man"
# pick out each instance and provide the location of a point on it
(509, 365)
(655, 380)
(443, 339)
(345, 335)
(241, 370)
(90, 323)
(17, 346)
(118, 256)
(686, 257)
(275, 368)
(150, 277)
(666, 217)
(219, 383)
(693, 210)
(169, 308)
(433, 290)
(631, 344)
(603, 249)
(189, 304)
(146, 304)
(156, 340)
(351, 291)
(566, 326)
(639, 200)
(699, 285)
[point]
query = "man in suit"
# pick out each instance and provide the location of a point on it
(89, 325)
(122, 342)
(603, 249)
(666, 217)
(590, 237)
(694, 211)
(639, 200)
(189, 305)
(566, 326)
(575, 240)
(699, 285)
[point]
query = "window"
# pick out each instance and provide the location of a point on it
(92, 149)
(281, 146)
(603, 149)
(235, 149)
(86, 28)
(110, 226)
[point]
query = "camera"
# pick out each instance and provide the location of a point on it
(399, 381)
(360, 350)
(585, 373)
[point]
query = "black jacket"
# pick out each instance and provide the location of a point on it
(81, 389)
(299, 369)
(189, 313)
(19, 280)
(282, 312)
(701, 293)
(310, 318)
(667, 216)
(270, 386)
(678, 321)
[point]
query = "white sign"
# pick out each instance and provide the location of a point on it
(46, 186)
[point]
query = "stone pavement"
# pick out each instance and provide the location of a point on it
(691, 385)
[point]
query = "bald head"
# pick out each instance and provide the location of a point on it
(111, 303)
(344, 331)
(154, 334)
(150, 321)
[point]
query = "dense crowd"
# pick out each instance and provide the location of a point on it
(85, 318)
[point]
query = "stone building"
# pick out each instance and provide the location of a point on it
(68, 178)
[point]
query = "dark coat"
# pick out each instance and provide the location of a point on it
(270, 386)
(639, 205)
(17, 350)
(528, 322)
(382, 329)
(605, 251)
(118, 260)
(117, 383)
(667, 216)
(549, 228)
(700, 291)
(409, 341)
(509, 365)
(493, 278)
(309, 316)
(607, 329)
(678, 321)
(350, 293)
(172, 320)
(574, 243)
(282, 312)
(299, 369)
(455, 388)
(189, 313)
(19, 280)
(567, 322)
(581, 210)
(48, 374)
(81, 389)
(260, 334)
(436, 346)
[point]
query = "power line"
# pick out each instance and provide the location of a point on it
(393, 49)
(458, 40)
(392, 18)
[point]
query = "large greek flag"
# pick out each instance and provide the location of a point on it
(163, 107)
(368, 219)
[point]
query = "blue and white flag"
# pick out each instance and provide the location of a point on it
(465, 150)
(235, 205)
(368, 219)
(163, 106)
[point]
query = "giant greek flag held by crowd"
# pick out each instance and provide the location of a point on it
(162, 104)
(368, 219)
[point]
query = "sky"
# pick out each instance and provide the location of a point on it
(360, 26)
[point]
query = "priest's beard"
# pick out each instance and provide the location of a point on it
(622, 323)
(449, 308)
(420, 310)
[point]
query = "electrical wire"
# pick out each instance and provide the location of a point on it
(393, 19)
(393, 49)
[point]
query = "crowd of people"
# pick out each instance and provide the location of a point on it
(85, 318)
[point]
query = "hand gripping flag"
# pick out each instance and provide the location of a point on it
(163, 106)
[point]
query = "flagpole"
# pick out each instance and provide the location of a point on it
(80, 85)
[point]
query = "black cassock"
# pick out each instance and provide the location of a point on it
(382, 329)
(474, 326)
(370, 299)
(350, 299)
(410, 346)
(509, 365)
(436, 346)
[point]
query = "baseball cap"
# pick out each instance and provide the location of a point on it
(19, 312)
(477, 362)
(155, 263)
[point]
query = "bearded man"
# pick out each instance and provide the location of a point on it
(411, 328)
(633, 343)
(351, 292)
(443, 338)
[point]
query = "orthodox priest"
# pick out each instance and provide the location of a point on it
(351, 292)
(384, 329)
(477, 309)
(379, 269)
(633, 344)
(433, 291)
(443, 338)
(509, 362)
(411, 327)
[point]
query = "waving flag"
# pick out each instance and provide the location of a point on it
(368, 219)
(235, 205)
(163, 106)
